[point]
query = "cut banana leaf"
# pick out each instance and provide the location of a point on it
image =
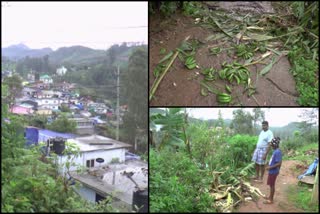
(266, 69)
(166, 57)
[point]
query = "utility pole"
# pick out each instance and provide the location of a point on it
(118, 93)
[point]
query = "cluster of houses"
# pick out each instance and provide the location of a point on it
(110, 169)
(44, 97)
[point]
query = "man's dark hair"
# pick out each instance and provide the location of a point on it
(265, 122)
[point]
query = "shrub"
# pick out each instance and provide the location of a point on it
(175, 182)
(240, 149)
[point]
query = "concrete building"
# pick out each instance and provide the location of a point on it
(61, 71)
(84, 126)
(46, 79)
(113, 181)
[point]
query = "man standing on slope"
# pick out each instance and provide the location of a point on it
(262, 150)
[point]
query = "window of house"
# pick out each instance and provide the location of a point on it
(90, 163)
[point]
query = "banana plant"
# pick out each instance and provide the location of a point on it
(171, 124)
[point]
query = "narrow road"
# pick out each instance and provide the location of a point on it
(281, 203)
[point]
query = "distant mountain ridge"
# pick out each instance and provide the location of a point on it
(79, 55)
(20, 51)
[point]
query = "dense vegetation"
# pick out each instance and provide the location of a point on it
(185, 154)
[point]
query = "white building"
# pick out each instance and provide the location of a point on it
(51, 103)
(109, 178)
(95, 146)
(46, 79)
(61, 71)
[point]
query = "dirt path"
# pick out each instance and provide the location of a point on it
(181, 87)
(281, 204)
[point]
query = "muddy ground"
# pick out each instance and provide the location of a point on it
(287, 177)
(181, 87)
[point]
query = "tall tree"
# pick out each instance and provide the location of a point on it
(310, 119)
(242, 122)
(310, 115)
(15, 87)
(220, 121)
(258, 115)
(136, 90)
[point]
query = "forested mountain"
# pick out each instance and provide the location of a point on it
(15, 52)
(76, 55)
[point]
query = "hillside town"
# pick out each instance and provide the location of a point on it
(100, 155)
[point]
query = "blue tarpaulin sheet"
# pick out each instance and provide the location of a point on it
(32, 135)
(35, 135)
(312, 168)
(45, 134)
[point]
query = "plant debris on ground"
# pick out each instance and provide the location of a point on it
(250, 39)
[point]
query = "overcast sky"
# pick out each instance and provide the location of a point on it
(275, 116)
(57, 24)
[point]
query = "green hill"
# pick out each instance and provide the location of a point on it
(76, 55)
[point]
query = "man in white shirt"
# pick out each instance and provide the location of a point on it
(261, 151)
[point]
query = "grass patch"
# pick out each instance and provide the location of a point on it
(301, 156)
(300, 196)
(312, 146)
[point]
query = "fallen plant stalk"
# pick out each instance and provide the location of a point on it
(157, 81)
(258, 61)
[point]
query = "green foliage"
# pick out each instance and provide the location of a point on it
(301, 198)
(63, 124)
(135, 82)
(307, 14)
(14, 84)
(167, 8)
(242, 122)
(177, 184)
(173, 134)
(240, 149)
(35, 64)
(191, 7)
(39, 121)
(304, 53)
(64, 108)
(307, 82)
(115, 160)
(298, 140)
